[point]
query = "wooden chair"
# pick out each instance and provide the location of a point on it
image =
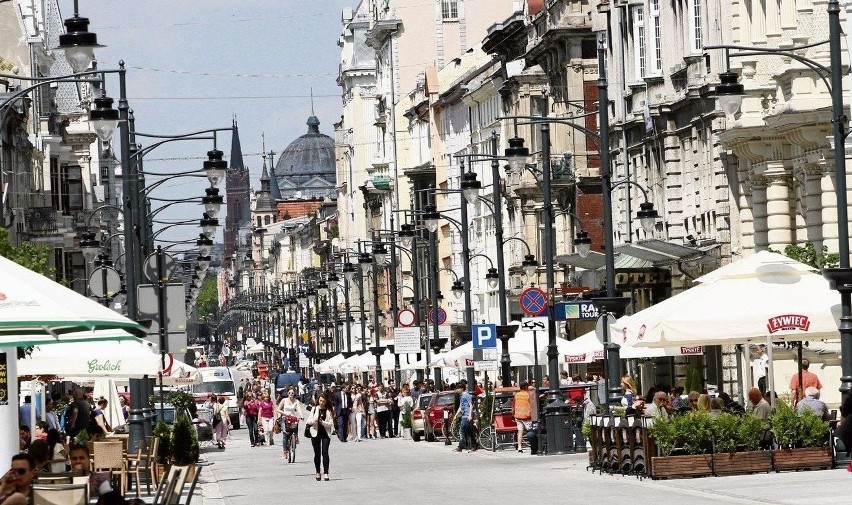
(53, 479)
(60, 494)
(110, 456)
(196, 471)
(173, 498)
(145, 464)
(167, 485)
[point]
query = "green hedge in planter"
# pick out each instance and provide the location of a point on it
(164, 433)
(792, 430)
(698, 433)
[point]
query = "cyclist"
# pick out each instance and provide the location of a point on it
(292, 407)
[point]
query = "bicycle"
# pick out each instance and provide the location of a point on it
(291, 429)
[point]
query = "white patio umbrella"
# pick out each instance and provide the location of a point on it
(125, 359)
(34, 310)
(330, 365)
(770, 297)
(256, 349)
(367, 362)
(588, 348)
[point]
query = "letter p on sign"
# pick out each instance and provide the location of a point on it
(484, 335)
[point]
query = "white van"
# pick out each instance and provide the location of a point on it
(219, 381)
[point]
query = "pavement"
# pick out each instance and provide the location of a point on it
(393, 470)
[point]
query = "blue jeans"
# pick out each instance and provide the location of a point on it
(463, 429)
(251, 425)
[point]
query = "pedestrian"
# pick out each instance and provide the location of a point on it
(292, 407)
(221, 421)
(320, 424)
(522, 412)
(465, 414)
(807, 380)
(342, 402)
(79, 414)
(372, 402)
(404, 403)
(393, 421)
(760, 364)
(266, 415)
(360, 402)
(250, 412)
(383, 411)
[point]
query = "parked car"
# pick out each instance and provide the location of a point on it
(445, 401)
(202, 420)
(418, 416)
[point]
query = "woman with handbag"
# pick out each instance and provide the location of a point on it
(318, 427)
(221, 421)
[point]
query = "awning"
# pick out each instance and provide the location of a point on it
(662, 253)
(593, 261)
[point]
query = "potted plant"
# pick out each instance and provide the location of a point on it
(684, 443)
(406, 423)
(802, 440)
(736, 441)
(184, 442)
(164, 433)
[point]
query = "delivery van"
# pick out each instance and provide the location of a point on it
(219, 381)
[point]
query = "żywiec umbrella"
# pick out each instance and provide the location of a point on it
(36, 310)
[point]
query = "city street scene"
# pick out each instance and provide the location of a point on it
(425, 251)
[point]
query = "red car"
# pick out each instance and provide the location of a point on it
(444, 401)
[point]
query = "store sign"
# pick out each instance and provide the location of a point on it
(692, 351)
(638, 278)
(788, 322)
(4, 380)
(575, 358)
(96, 365)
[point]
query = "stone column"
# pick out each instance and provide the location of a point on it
(778, 216)
(759, 211)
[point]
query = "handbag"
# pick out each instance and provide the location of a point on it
(308, 432)
(276, 428)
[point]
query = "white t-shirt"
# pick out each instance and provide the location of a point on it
(760, 366)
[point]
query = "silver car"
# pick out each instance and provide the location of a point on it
(418, 416)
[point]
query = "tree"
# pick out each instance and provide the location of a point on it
(807, 254)
(208, 299)
(36, 257)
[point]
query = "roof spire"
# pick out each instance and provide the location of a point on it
(312, 101)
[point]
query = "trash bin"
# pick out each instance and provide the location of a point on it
(558, 423)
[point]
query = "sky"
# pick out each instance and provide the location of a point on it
(194, 65)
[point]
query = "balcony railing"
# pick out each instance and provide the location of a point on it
(41, 221)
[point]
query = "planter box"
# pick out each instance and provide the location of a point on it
(801, 459)
(666, 467)
(735, 463)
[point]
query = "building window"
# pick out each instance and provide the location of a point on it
(695, 30)
(66, 187)
(639, 40)
(449, 10)
(657, 39)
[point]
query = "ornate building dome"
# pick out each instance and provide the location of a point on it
(306, 168)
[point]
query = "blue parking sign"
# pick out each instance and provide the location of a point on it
(484, 335)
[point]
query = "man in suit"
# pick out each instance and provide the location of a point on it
(342, 401)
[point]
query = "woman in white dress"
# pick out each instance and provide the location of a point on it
(289, 406)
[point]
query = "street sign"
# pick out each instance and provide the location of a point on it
(406, 317)
(534, 323)
(584, 310)
(304, 348)
(484, 335)
(533, 301)
(104, 281)
(608, 320)
(150, 267)
(442, 316)
(175, 308)
(406, 340)
(486, 366)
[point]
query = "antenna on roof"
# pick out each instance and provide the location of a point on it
(312, 101)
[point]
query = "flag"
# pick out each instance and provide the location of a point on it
(649, 121)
